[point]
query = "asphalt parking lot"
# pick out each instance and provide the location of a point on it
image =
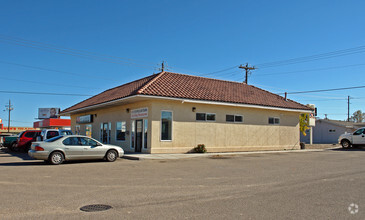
(310, 185)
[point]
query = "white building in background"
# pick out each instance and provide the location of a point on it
(327, 131)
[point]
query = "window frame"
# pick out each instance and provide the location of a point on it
(234, 118)
(172, 126)
(274, 120)
(206, 116)
(116, 131)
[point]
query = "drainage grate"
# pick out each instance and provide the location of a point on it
(95, 208)
(220, 157)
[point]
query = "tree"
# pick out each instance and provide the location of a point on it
(304, 123)
(358, 116)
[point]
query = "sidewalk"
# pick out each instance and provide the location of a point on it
(139, 156)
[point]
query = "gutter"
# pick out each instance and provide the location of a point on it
(187, 101)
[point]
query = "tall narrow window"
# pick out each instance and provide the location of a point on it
(145, 129)
(88, 130)
(166, 126)
(133, 132)
(120, 130)
(77, 129)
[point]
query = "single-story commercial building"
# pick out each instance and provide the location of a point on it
(173, 113)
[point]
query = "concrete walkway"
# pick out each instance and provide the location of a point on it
(140, 156)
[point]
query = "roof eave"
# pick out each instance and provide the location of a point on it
(68, 113)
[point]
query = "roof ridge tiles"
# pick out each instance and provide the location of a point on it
(150, 82)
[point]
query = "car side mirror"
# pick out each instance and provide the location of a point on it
(38, 138)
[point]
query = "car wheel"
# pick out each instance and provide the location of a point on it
(345, 144)
(14, 147)
(111, 156)
(56, 158)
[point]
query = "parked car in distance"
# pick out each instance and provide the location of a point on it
(25, 140)
(50, 133)
(9, 141)
(73, 147)
(352, 139)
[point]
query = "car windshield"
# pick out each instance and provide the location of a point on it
(54, 139)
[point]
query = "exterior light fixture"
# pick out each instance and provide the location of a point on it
(193, 109)
(127, 110)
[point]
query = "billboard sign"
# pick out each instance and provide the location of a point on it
(44, 113)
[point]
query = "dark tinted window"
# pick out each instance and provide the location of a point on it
(230, 118)
(210, 117)
(200, 116)
(71, 141)
(51, 134)
(29, 134)
(238, 118)
(358, 132)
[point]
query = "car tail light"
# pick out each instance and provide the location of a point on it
(38, 148)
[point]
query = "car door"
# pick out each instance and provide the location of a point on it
(73, 148)
(358, 136)
(92, 149)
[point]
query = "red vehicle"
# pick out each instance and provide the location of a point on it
(25, 139)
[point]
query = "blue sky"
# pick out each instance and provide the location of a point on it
(127, 40)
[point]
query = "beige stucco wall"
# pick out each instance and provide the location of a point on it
(220, 136)
(113, 114)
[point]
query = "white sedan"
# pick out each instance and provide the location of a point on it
(73, 147)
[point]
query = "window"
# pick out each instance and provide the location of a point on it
(166, 126)
(145, 128)
(234, 118)
(29, 134)
(200, 116)
(71, 141)
(205, 116)
(120, 130)
(88, 142)
(360, 131)
(105, 130)
(133, 133)
(88, 129)
(274, 121)
(77, 129)
(51, 134)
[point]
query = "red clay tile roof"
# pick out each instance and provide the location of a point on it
(167, 84)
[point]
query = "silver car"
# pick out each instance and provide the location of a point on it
(73, 147)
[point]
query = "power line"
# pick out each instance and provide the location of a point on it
(219, 71)
(69, 51)
(47, 83)
(44, 93)
(310, 70)
(328, 55)
(72, 49)
(326, 90)
(53, 70)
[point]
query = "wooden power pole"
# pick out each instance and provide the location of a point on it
(247, 70)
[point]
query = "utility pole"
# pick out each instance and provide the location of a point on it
(247, 69)
(348, 108)
(9, 108)
(163, 66)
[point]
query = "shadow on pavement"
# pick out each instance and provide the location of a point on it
(15, 164)
(349, 149)
(5, 152)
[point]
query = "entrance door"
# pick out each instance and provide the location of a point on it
(139, 135)
(105, 135)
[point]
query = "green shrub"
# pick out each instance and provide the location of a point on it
(200, 148)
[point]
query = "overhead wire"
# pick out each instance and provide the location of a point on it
(328, 55)
(43, 93)
(72, 52)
